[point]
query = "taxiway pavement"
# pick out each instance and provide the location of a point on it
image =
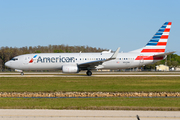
(95, 74)
(30, 114)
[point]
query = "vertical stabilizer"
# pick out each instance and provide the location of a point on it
(158, 42)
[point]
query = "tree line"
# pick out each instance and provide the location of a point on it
(7, 53)
(172, 60)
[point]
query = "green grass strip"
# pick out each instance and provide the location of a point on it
(91, 103)
(90, 84)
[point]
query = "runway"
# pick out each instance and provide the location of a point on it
(21, 114)
(88, 76)
(95, 74)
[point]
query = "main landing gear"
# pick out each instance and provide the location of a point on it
(22, 73)
(89, 73)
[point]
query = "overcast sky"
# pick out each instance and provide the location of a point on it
(107, 24)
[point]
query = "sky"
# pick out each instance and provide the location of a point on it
(106, 24)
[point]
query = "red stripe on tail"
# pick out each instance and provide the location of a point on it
(153, 50)
(164, 37)
(169, 23)
(161, 43)
(167, 30)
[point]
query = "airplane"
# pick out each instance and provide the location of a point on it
(152, 52)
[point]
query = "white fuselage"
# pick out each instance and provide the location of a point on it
(55, 61)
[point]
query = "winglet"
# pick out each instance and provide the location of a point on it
(115, 54)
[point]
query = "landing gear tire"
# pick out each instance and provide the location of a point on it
(89, 73)
(22, 73)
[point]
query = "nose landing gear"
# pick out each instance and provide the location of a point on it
(89, 73)
(19, 71)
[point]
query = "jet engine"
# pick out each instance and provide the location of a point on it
(70, 69)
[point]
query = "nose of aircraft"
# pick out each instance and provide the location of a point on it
(7, 64)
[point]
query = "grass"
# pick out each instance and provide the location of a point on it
(90, 84)
(92, 103)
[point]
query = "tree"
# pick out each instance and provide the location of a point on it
(174, 63)
(58, 51)
(37, 51)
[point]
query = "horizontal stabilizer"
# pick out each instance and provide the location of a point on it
(168, 53)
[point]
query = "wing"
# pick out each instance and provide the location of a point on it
(93, 64)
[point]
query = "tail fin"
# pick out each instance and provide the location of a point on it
(157, 43)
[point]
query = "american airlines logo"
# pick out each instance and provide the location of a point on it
(32, 59)
(55, 59)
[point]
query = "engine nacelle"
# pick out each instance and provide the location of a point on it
(70, 69)
(16, 70)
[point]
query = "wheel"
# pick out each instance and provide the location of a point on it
(22, 73)
(89, 73)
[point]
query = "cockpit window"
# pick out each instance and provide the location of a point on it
(14, 59)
